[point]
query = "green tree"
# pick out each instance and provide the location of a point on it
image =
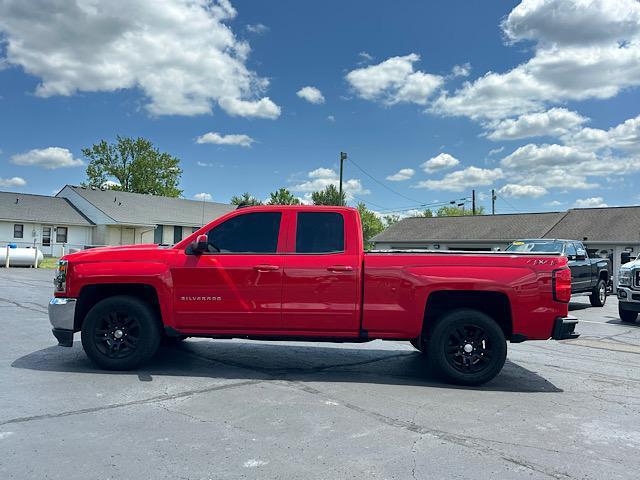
(283, 197)
(329, 196)
(389, 220)
(245, 199)
(371, 224)
(133, 165)
(448, 211)
(427, 213)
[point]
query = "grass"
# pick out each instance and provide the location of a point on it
(49, 263)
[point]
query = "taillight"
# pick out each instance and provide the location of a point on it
(561, 280)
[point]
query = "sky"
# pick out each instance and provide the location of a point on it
(537, 99)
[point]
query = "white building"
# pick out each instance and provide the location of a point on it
(52, 224)
(80, 217)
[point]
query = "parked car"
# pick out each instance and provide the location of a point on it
(300, 272)
(629, 291)
(592, 276)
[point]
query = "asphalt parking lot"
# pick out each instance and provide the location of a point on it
(241, 409)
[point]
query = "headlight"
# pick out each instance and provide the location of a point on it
(60, 280)
(624, 278)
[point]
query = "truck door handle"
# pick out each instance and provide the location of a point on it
(266, 268)
(340, 268)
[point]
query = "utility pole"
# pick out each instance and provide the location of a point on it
(473, 202)
(343, 157)
(493, 201)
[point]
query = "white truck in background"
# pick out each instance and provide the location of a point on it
(629, 291)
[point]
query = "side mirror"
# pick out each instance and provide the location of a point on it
(200, 245)
(581, 256)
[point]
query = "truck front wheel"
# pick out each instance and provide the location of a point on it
(627, 316)
(120, 333)
(599, 295)
(466, 347)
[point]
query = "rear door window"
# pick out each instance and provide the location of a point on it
(320, 232)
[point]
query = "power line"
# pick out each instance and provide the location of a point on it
(508, 203)
(382, 184)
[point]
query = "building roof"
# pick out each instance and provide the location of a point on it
(25, 207)
(612, 224)
(139, 209)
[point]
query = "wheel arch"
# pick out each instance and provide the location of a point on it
(92, 294)
(492, 303)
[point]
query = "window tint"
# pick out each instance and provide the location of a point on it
(18, 231)
(320, 232)
(248, 233)
(570, 251)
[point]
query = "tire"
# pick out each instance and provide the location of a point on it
(627, 316)
(457, 331)
(121, 333)
(599, 295)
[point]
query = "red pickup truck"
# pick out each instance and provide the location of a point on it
(300, 272)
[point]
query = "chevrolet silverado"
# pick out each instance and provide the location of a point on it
(301, 273)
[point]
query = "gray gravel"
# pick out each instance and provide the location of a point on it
(242, 409)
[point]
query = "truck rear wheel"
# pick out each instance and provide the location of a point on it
(120, 333)
(599, 295)
(467, 347)
(627, 316)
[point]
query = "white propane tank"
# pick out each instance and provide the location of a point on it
(19, 257)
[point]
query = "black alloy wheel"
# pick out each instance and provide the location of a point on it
(117, 335)
(466, 347)
(121, 333)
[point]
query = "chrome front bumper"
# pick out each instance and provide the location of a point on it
(627, 295)
(62, 312)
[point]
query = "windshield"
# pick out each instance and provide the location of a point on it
(535, 246)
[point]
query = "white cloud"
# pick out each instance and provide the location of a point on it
(331, 118)
(394, 81)
(461, 70)
(263, 108)
(320, 178)
(180, 53)
(202, 196)
(49, 158)
(577, 22)
(539, 157)
(518, 191)
(365, 57)
(402, 174)
(232, 139)
(12, 182)
(554, 203)
(257, 28)
(555, 122)
(441, 161)
(110, 184)
(624, 136)
(462, 179)
(311, 95)
(593, 202)
(495, 151)
(583, 49)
